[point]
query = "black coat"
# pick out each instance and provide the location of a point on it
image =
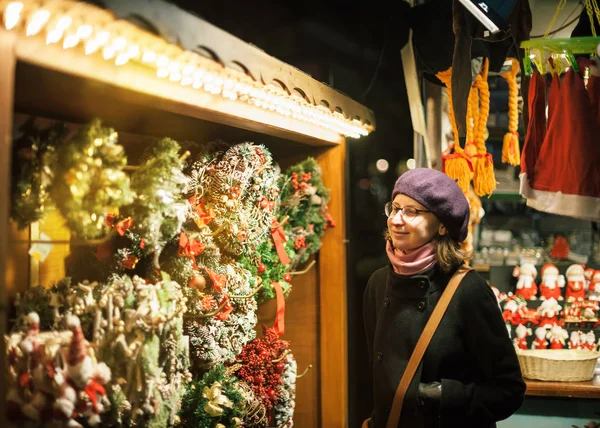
(470, 353)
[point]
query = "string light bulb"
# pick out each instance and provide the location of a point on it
(37, 21)
(12, 14)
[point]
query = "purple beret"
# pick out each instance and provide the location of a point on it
(439, 194)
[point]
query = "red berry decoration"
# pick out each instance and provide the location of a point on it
(280, 366)
(261, 268)
(287, 277)
(264, 353)
(271, 393)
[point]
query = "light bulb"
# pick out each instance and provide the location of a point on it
(12, 14)
(38, 20)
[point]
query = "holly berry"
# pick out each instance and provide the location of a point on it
(261, 268)
(287, 277)
(264, 353)
(280, 366)
(257, 379)
(271, 393)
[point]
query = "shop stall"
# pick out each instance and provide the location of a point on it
(127, 110)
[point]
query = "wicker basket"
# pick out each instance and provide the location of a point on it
(559, 365)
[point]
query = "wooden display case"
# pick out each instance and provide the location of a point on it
(48, 81)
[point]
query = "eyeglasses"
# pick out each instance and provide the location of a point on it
(408, 213)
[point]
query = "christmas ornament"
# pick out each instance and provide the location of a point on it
(590, 341)
(594, 287)
(158, 210)
(34, 156)
(575, 340)
(557, 336)
(551, 283)
(89, 179)
(560, 249)
(540, 341)
(521, 340)
(549, 311)
(575, 283)
(526, 287)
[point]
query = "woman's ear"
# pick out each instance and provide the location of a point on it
(442, 230)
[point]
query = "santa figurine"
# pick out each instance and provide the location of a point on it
(549, 310)
(590, 341)
(521, 340)
(575, 340)
(551, 283)
(588, 274)
(526, 287)
(575, 283)
(514, 311)
(557, 336)
(540, 341)
(594, 287)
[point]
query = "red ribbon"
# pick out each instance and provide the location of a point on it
(224, 314)
(91, 389)
(190, 248)
(204, 216)
(219, 281)
(279, 325)
(122, 226)
(279, 238)
(455, 156)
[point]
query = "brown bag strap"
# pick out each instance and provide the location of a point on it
(422, 343)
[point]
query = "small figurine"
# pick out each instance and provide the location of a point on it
(540, 341)
(549, 311)
(575, 340)
(551, 283)
(521, 340)
(590, 341)
(575, 283)
(594, 287)
(557, 336)
(513, 312)
(588, 273)
(526, 287)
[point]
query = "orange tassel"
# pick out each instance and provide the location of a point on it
(511, 152)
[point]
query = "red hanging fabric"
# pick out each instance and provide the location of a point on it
(593, 88)
(566, 176)
(553, 96)
(536, 130)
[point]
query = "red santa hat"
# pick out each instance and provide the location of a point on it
(77, 347)
(566, 176)
(596, 276)
(549, 268)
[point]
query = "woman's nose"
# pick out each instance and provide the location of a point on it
(398, 218)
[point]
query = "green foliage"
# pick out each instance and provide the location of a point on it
(34, 155)
(194, 401)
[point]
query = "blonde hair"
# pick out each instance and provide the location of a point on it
(448, 253)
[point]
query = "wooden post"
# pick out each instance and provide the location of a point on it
(7, 76)
(332, 293)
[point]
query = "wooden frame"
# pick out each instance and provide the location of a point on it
(65, 84)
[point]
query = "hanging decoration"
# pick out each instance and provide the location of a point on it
(89, 179)
(511, 152)
(34, 155)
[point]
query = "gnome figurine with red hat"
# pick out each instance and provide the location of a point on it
(83, 392)
(594, 288)
(526, 287)
(575, 283)
(551, 283)
(557, 336)
(549, 311)
(521, 340)
(540, 341)
(588, 273)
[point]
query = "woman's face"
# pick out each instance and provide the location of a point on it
(410, 234)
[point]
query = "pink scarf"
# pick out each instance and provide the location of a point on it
(416, 262)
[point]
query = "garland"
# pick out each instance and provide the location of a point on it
(89, 179)
(34, 153)
(286, 400)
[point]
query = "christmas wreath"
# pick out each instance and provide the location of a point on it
(89, 179)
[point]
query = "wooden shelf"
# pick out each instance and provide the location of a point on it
(589, 389)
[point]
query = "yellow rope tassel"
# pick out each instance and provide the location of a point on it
(511, 152)
(484, 181)
(456, 165)
(472, 123)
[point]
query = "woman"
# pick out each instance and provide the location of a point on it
(469, 375)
